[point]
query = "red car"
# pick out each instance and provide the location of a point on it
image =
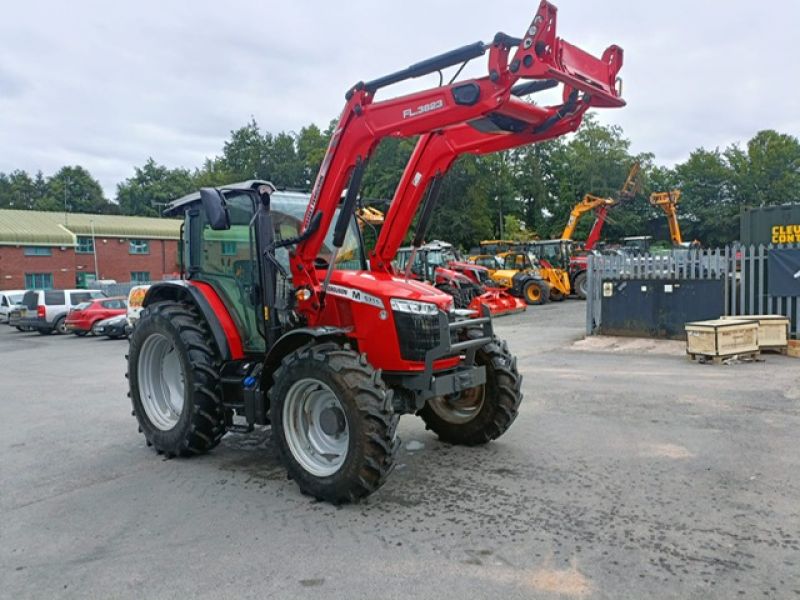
(83, 317)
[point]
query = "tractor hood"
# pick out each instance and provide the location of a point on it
(386, 286)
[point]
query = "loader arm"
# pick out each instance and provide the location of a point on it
(668, 202)
(433, 156)
(364, 122)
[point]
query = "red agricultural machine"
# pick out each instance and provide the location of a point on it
(281, 320)
(470, 285)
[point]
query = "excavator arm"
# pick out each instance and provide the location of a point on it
(588, 203)
(600, 207)
(485, 102)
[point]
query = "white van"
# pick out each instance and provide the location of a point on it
(8, 300)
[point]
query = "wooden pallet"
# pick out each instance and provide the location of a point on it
(718, 360)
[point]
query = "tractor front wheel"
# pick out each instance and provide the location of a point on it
(174, 380)
(333, 421)
(484, 413)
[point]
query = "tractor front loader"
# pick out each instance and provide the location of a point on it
(282, 321)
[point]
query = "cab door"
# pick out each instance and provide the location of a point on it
(227, 261)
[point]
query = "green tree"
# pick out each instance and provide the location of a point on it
(708, 211)
(767, 171)
(151, 187)
(75, 187)
(244, 156)
(311, 147)
(20, 191)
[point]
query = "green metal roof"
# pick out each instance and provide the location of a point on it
(33, 227)
(27, 227)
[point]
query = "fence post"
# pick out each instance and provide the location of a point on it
(762, 265)
(590, 267)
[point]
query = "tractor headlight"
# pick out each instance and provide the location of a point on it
(413, 307)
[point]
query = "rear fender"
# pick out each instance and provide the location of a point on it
(214, 312)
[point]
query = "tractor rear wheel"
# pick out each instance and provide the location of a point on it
(333, 421)
(484, 413)
(174, 380)
(581, 286)
(536, 292)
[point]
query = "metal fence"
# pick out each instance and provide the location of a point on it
(744, 269)
(117, 289)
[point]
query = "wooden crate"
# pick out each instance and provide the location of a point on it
(722, 338)
(794, 348)
(773, 331)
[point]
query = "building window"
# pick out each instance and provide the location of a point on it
(140, 276)
(139, 247)
(229, 249)
(85, 245)
(38, 251)
(35, 281)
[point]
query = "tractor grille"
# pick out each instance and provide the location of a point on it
(417, 334)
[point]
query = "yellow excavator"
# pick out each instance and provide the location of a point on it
(600, 206)
(370, 216)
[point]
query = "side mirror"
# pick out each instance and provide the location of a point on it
(215, 208)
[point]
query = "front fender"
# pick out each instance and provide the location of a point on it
(291, 341)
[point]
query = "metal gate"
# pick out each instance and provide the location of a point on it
(743, 269)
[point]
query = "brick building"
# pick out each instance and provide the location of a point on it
(54, 250)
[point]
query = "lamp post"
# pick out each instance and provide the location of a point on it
(66, 185)
(94, 251)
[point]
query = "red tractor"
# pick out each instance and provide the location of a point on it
(469, 284)
(282, 320)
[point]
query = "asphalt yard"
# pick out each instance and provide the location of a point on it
(630, 473)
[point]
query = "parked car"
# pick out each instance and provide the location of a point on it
(113, 327)
(9, 299)
(46, 310)
(135, 299)
(82, 318)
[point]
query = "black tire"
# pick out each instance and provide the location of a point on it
(459, 299)
(46, 331)
(536, 292)
(201, 425)
(580, 285)
(556, 295)
(79, 333)
(60, 326)
(366, 405)
(502, 394)
(19, 328)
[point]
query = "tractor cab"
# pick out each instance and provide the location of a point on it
(555, 252)
(223, 238)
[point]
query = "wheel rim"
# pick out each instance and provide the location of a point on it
(62, 326)
(534, 293)
(461, 409)
(161, 382)
(315, 427)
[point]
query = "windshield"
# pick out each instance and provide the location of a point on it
(287, 210)
(15, 298)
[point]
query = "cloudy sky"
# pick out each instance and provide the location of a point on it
(109, 84)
